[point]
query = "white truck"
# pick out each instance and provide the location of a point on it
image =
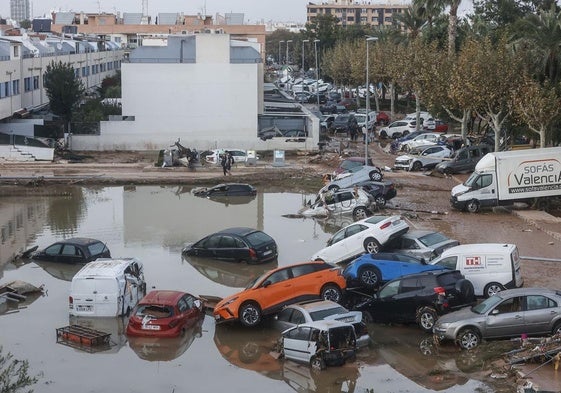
(502, 178)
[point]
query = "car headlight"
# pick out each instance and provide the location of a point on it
(227, 303)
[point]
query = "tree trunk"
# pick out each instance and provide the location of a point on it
(418, 110)
(452, 26)
(392, 101)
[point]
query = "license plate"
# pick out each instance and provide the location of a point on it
(267, 252)
(150, 327)
(84, 308)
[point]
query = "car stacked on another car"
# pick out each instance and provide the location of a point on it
(422, 243)
(355, 175)
(419, 298)
(424, 139)
(237, 244)
(353, 201)
(279, 287)
(382, 191)
(367, 235)
(352, 162)
(509, 313)
(318, 310)
(371, 270)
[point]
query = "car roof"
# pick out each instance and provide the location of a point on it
(105, 267)
(529, 291)
(415, 233)
(84, 241)
(325, 324)
(163, 297)
(232, 184)
(241, 231)
(315, 305)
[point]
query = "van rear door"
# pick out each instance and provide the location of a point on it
(515, 263)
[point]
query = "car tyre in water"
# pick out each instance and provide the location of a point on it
(492, 289)
(465, 289)
(360, 212)
(369, 276)
(375, 176)
(331, 292)
(472, 206)
(417, 166)
(426, 318)
(317, 364)
(250, 314)
(468, 338)
(371, 245)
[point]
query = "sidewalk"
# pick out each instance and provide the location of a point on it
(541, 220)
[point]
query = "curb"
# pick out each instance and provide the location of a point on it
(555, 235)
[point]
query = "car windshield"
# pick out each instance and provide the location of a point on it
(487, 304)
(432, 238)
(258, 238)
(322, 314)
(469, 182)
(350, 164)
(96, 248)
(376, 219)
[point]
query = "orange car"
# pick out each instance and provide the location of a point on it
(279, 287)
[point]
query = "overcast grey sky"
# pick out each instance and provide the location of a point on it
(254, 10)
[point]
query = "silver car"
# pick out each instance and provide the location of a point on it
(510, 313)
(422, 244)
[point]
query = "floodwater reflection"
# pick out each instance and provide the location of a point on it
(152, 223)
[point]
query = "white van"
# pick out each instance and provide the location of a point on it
(107, 288)
(491, 267)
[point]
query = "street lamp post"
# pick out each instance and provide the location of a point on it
(11, 92)
(368, 39)
(303, 42)
(280, 53)
(317, 71)
(287, 42)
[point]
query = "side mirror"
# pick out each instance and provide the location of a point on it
(494, 312)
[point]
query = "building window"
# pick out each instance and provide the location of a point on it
(27, 84)
(35, 82)
(312, 10)
(16, 51)
(363, 19)
(388, 19)
(350, 19)
(77, 72)
(15, 87)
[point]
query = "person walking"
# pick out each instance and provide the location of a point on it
(230, 162)
(224, 162)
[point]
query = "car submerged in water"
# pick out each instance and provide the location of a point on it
(74, 250)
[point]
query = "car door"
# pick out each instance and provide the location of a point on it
(297, 344)
(208, 247)
(229, 248)
(394, 302)
(306, 280)
(506, 319)
(276, 291)
(540, 311)
(354, 239)
(71, 253)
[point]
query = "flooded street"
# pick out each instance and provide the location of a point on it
(153, 223)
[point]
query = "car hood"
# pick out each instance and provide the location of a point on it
(350, 317)
(404, 157)
(459, 189)
(463, 315)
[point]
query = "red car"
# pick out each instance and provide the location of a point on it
(165, 314)
(382, 118)
(440, 126)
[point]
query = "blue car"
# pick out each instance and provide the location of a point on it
(371, 270)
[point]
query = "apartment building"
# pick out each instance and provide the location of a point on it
(357, 12)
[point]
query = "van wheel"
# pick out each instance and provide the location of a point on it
(317, 364)
(472, 206)
(492, 289)
(371, 245)
(426, 318)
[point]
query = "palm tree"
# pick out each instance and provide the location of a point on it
(429, 9)
(452, 25)
(411, 21)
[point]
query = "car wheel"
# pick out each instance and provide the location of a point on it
(426, 318)
(405, 133)
(380, 200)
(447, 171)
(333, 187)
(360, 212)
(468, 338)
(417, 166)
(367, 317)
(492, 289)
(375, 176)
(331, 292)
(249, 352)
(317, 364)
(371, 245)
(472, 206)
(250, 314)
(369, 276)
(383, 134)
(556, 329)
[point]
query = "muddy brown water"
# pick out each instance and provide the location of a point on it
(153, 223)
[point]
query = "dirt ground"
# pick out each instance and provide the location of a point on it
(422, 198)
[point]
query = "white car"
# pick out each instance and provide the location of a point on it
(355, 175)
(428, 158)
(329, 202)
(367, 235)
(238, 154)
(398, 128)
(427, 138)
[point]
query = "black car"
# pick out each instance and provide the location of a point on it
(226, 190)
(74, 250)
(382, 191)
(419, 298)
(341, 123)
(236, 245)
